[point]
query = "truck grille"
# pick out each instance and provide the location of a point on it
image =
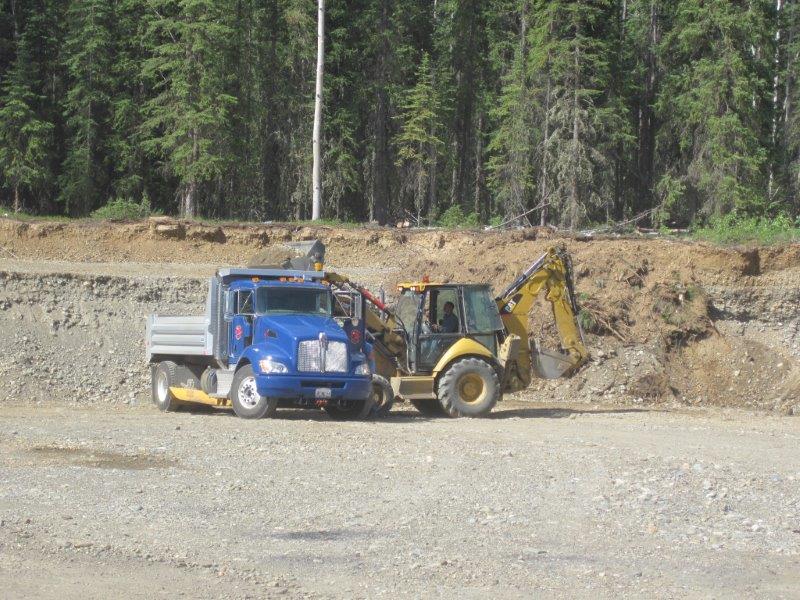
(312, 358)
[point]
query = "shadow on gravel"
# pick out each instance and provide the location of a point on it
(411, 416)
(320, 535)
(98, 459)
(561, 413)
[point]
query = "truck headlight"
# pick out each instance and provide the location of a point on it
(267, 365)
(363, 369)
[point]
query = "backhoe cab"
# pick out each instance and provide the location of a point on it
(454, 333)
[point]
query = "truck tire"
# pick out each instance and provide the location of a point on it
(429, 408)
(469, 387)
(382, 396)
(357, 411)
(164, 377)
(247, 402)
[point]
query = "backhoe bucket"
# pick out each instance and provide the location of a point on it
(550, 364)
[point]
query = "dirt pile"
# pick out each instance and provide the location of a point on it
(666, 321)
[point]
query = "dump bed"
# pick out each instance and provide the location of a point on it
(182, 335)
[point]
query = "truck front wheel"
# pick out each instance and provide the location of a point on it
(164, 377)
(469, 388)
(247, 402)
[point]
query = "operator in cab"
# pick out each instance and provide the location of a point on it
(449, 321)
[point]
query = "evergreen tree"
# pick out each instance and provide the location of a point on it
(130, 173)
(573, 58)
(85, 177)
(419, 144)
(25, 140)
(27, 129)
(187, 119)
(511, 145)
(713, 138)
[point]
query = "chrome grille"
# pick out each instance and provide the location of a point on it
(336, 358)
(312, 356)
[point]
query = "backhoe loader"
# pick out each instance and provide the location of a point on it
(460, 360)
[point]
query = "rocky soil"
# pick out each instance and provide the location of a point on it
(551, 501)
(668, 323)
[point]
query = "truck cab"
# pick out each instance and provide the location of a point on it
(270, 338)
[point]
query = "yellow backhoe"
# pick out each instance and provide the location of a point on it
(450, 348)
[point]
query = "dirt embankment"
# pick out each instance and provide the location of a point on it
(666, 321)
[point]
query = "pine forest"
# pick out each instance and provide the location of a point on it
(563, 113)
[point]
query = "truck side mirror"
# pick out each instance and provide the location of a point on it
(230, 301)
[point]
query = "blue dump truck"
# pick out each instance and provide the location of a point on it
(270, 337)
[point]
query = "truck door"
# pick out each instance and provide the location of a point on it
(240, 334)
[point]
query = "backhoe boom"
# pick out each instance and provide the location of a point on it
(551, 273)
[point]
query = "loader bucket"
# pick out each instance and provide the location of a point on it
(550, 364)
(307, 254)
(302, 256)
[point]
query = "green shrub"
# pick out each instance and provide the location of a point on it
(454, 217)
(120, 209)
(733, 229)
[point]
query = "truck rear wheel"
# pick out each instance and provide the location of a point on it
(164, 377)
(469, 387)
(247, 402)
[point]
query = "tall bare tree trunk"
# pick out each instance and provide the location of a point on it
(544, 189)
(480, 207)
(317, 174)
(574, 193)
(188, 208)
(17, 201)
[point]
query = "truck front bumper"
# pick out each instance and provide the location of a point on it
(314, 387)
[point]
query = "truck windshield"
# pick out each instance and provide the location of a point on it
(271, 300)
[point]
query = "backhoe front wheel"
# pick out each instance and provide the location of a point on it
(247, 402)
(469, 387)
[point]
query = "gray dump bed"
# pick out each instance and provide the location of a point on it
(186, 335)
(179, 335)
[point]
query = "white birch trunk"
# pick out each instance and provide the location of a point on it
(317, 174)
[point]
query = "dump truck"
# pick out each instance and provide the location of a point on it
(270, 337)
(462, 365)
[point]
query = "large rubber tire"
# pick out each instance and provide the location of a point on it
(429, 408)
(382, 396)
(358, 410)
(247, 402)
(469, 387)
(164, 377)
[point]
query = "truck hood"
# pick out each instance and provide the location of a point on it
(302, 327)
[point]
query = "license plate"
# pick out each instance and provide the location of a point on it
(322, 393)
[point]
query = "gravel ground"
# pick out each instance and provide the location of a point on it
(535, 501)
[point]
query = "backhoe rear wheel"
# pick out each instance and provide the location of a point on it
(469, 387)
